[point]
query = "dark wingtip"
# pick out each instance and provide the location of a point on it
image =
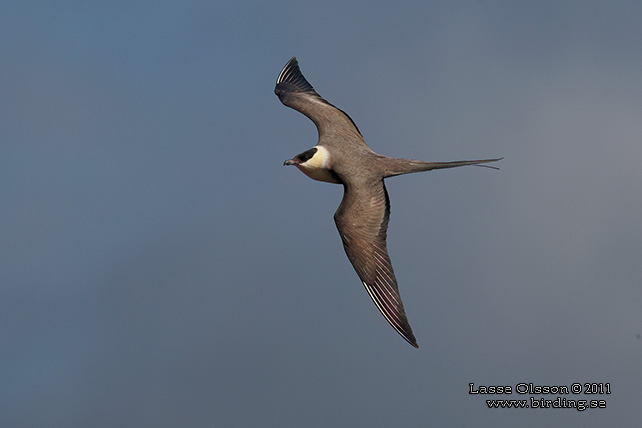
(410, 338)
(291, 79)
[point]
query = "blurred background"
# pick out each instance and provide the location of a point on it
(160, 267)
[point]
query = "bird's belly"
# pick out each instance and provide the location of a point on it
(319, 174)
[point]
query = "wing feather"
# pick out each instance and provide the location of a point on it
(362, 221)
(296, 92)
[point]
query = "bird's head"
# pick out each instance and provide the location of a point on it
(315, 164)
(304, 159)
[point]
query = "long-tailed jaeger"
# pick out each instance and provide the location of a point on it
(341, 156)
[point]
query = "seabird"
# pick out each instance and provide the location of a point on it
(341, 156)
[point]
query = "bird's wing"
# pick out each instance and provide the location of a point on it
(297, 93)
(362, 220)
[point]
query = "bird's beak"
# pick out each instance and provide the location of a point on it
(290, 162)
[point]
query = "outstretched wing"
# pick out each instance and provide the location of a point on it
(362, 220)
(297, 93)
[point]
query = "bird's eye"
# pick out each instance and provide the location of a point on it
(307, 155)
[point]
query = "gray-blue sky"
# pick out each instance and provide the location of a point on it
(161, 268)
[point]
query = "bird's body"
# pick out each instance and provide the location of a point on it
(341, 156)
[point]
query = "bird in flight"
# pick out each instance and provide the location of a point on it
(341, 156)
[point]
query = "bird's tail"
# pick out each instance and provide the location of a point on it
(407, 166)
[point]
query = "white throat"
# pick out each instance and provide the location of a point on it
(317, 167)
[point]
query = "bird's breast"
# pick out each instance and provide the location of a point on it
(319, 174)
